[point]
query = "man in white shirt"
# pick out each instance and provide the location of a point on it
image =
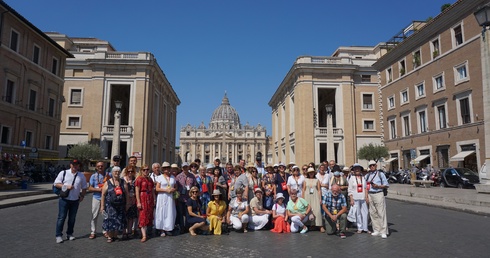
(74, 182)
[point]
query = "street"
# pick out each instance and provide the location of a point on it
(416, 230)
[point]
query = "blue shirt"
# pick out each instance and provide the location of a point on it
(377, 178)
(94, 182)
(334, 203)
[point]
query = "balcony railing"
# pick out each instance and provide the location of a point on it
(125, 129)
(322, 131)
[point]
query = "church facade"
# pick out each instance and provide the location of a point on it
(225, 138)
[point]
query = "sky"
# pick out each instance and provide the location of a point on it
(243, 48)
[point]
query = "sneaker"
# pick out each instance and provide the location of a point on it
(375, 233)
(59, 240)
(384, 236)
(304, 230)
(342, 235)
(70, 237)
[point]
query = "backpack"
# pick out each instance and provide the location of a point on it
(57, 190)
(114, 199)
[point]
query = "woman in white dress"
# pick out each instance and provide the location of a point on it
(296, 181)
(165, 211)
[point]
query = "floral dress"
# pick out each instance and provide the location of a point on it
(204, 188)
(147, 199)
(115, 216)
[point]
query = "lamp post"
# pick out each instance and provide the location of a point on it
(482, 16)
(330, 145)
(116, 137)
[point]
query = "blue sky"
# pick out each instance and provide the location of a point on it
(242, 47)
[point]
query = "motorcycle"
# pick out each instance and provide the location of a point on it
(435, 177)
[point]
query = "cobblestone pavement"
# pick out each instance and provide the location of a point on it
(416, 230)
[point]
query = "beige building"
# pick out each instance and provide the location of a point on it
(225, 137)
(32, 67)
(431, 89)
(96, 78)
(345, 80)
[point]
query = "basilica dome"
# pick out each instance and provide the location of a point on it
(225, 116)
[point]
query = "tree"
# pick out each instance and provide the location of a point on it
(444, 7)
(373, 152)
(85, 152)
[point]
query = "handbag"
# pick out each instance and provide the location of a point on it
(351, 216)
(65, 192)
(57, 190)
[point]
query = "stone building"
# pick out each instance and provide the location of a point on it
(225, 137)
(32, 67)
(345, 81)
(98, 76)
(431, 89)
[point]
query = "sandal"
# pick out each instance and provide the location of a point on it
(92, 236)
(110, 240)
(359, 231)
(162, 234)
(143, 239)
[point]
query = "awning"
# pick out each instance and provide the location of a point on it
(390, 160)
(460, 156)
(420, 158)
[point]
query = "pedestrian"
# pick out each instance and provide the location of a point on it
(216, 213)
(238, 210)
(165, 211)
(205, 184)
(113, 204)
(296, 181)
(281, 182)
(185, 181)
(145, 200)
(132, 212)
(359, 198)
(75, 183)
(298, 209)
(313, 195)
(96, 183)
(260, 216)
(194, 218)
(335, 207)
(279, 216)
(377, 206)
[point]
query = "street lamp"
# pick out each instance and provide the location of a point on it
(482, 16)
(330, 145)
(116, 137)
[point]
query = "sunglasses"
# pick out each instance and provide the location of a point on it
(146, 169)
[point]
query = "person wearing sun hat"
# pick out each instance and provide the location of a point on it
(279, 216)
(312, 193)
(260, 216)
(216, 212)
(281, 182)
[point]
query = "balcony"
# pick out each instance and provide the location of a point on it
(322, 131)
(125, 130)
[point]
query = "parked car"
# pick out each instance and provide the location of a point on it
(459, 177)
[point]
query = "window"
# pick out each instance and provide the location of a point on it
(48, 142)
(391, 102)
(368, 125)
(29, 139)
(365, 78)
(438, 81)
(5, 136)
(464, 106)
(392, 129)
(76, 97)
(441, 116)
(187, 133)
(74, 122)
(51, 107)
(458, 35)
(9, 91)
(422, 122)
(461, 73)
(404, 97)
(420, 89)
(54, 66)
(32, 100)
(36, 54)
(416, 59)
(14, 40)
(367, 101)
(401, 64)
(406, 125)
(389, 75)
(434, 45)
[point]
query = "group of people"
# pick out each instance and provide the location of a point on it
(214, 199)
